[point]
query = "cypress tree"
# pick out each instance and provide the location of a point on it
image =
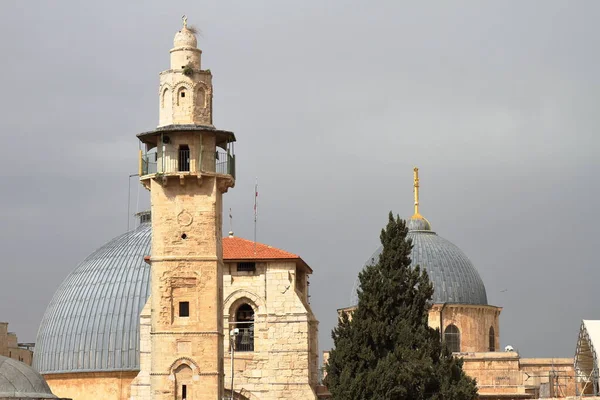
(385, 349)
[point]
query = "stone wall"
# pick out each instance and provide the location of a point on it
(473, 321)
(284, 362)
(186, 349)
(505, 373)
(92, 385)
(9, 346)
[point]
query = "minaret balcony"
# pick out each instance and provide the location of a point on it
(181, 163)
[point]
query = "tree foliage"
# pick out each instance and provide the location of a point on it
(385, 349)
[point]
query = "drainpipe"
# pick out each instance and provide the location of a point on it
(442, 321)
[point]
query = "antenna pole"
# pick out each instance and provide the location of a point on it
(416, 189)
(255, 210)
(129, 198)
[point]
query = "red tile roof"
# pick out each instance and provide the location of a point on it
(235, 248)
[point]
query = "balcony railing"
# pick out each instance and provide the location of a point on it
(184, 161)
(244, 341)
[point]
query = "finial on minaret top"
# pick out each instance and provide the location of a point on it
(417, 222)
(184, 19)
(416, 190)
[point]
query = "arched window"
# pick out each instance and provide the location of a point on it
(181, 96)
(452, 338)
(492, 346)
(201, 98)
(183, 382)
(244, 322)
(166, 98)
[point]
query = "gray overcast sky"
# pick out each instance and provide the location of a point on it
(332, 103)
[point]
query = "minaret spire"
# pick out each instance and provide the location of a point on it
(416, 190)
(184, 19)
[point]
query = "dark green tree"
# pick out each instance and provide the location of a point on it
(385, 350)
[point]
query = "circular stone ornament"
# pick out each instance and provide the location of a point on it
(184, 218)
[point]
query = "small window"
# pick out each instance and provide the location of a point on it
(182, 94)
(492, 339)
(184, 158)
(184, 392)
(246, 266)
(452, 338)
(184, 308)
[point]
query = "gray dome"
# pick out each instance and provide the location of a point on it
(20, 381)
(454, 278)
(92, 322)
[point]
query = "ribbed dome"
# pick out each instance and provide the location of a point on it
(20, 381)
(92, 322)
(455, 279)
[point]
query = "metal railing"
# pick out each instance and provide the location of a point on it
(184, 161)
(244, 341)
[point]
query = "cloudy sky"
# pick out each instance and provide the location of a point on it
(333, 103)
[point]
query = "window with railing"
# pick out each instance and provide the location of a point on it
(183, 158)
(246, 266)
(244, 322)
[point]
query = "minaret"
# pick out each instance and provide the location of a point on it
(187, 166)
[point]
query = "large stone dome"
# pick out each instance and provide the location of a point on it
(455, 279)
(92, 322)
(20, 381)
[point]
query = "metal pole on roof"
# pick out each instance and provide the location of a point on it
(129, 198)
(255, 211)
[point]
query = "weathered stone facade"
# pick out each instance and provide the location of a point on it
(110, 385)
(184, 356)
(9, 346)
(185, 89)
(282, 361)
(478, 325)
(502, 375)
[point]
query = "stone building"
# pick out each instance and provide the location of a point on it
(266, 298)
(470, 326)
(89, 342)
(149, 314)
(11, 348)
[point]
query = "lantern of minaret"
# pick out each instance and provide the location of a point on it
(185, 88)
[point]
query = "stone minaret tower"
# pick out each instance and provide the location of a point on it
(187, 166)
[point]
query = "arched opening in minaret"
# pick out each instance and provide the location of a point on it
(184, 158)
(244, 322)
(201, 98)
(452, 338)
(183, 382)
(182, 96)
(492, 339)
